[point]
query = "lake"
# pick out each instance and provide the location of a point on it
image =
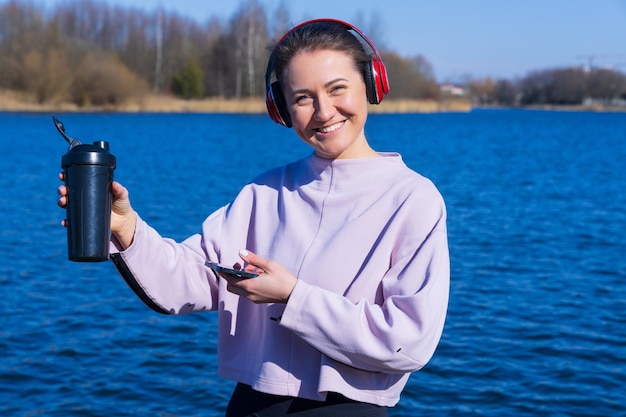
(537, 226)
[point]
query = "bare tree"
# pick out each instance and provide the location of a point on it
(49, 55)
(249, 30)
(281, 21)
(21, 32)
(505, 93)
(373, 26)
(413, 77)
(158, 62)
(567, 86)
(605, 85)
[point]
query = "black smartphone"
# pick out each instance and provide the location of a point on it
(240, 273)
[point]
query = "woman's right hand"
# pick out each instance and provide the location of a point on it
(123, 217)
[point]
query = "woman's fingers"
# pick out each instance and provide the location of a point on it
(62, 192)
(254, 262)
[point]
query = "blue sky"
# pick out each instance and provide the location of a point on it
(478, 38)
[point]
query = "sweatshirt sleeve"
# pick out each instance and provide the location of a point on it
(167, 276)
(396, 337)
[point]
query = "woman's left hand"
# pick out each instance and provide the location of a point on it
(274, 283)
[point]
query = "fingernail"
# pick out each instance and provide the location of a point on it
(243, 252)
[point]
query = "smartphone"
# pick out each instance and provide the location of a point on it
(240, 273)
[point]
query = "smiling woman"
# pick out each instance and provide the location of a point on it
(325, 96)
(324, 80)
(348, 246)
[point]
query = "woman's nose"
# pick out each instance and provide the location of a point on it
(324, 109)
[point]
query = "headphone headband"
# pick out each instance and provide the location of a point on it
(375, 76)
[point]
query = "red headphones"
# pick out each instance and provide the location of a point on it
(375, 76)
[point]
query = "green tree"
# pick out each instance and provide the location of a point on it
(189, 82)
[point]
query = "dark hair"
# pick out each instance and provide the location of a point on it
(317, 36)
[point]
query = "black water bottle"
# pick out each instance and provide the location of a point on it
(88, 176)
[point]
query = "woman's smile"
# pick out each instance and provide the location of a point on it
(330, 128)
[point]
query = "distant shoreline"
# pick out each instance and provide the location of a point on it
(11, 101)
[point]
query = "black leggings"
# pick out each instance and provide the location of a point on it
(246, 402)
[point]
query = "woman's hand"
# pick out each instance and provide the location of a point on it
(274, 283)
(123, 217)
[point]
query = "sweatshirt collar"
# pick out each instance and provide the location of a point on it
(355, 173)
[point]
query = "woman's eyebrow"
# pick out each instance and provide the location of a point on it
(328, 84)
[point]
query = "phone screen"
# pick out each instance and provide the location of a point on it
(240, 273)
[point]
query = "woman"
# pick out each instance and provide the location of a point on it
(349, 245)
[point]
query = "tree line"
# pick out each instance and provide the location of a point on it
(89, 52)
(555, 86)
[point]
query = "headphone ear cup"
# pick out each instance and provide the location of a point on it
(272, 111)
(380, 78)
(376, 82)
(280, 106)
(370, 84)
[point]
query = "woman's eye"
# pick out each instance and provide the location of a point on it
(303, 99)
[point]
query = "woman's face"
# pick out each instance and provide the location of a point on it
(326, 99)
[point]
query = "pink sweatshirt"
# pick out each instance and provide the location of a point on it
(366, 239)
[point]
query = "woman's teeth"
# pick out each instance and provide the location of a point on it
(329, 129)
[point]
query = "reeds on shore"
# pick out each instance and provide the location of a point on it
(15, 101)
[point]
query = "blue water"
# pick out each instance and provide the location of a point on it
(537, 226)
